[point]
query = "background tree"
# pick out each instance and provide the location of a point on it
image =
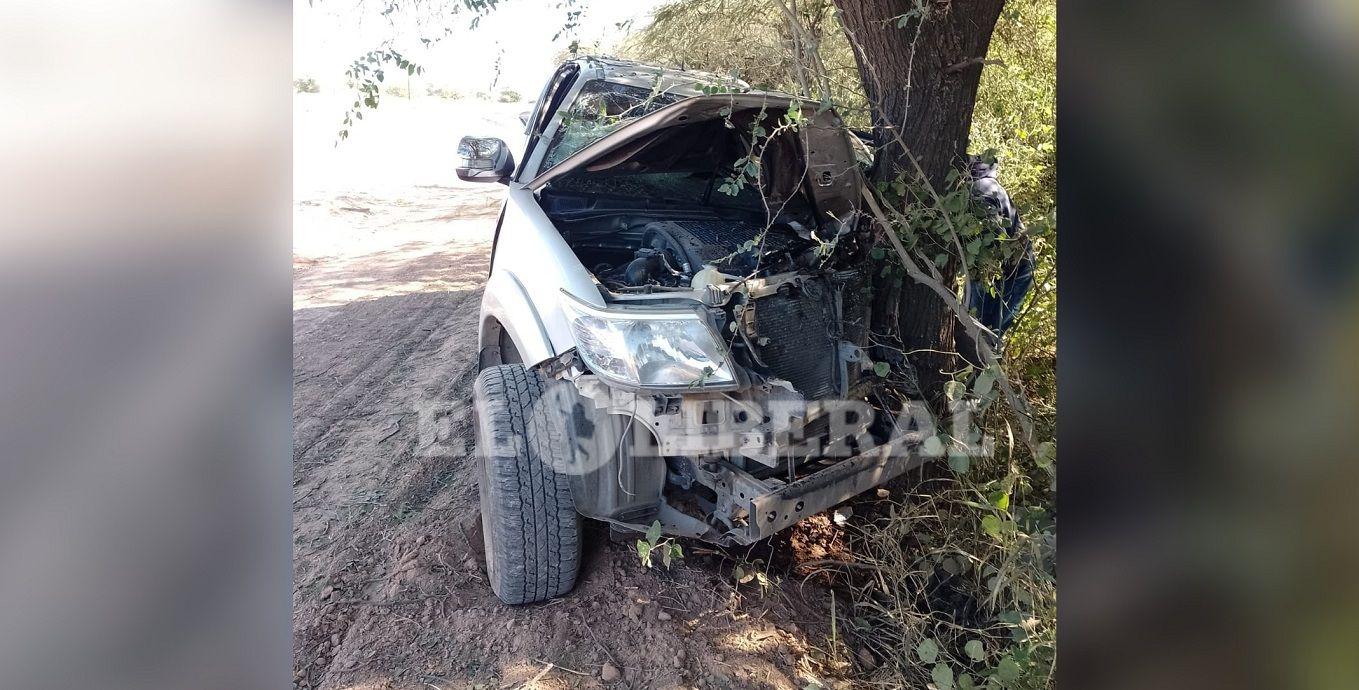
(921, 64)
(910, 70)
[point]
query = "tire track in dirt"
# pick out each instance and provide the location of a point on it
(371, 564)
(375, 366)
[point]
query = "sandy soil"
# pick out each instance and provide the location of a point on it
(390, 254)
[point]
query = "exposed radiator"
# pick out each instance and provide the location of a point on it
(800, 340)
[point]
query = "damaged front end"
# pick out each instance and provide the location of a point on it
(720, 382)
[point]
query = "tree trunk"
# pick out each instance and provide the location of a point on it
(922, 88)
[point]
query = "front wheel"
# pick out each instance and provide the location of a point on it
(529, 522)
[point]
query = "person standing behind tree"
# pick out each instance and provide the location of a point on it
(996, 306)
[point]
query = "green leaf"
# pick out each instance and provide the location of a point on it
(1047, 450)
(965, 682)
(959, 462)
(985, 380)
(665, 558)
(991, 525)
(933, 447)
(877, 253)
(954, 389)
(882, 369)
(1008, 669)
(974, 650)
(643, 550)
(654, 533)
(943, 676)
(1000, 499)
(927, 650)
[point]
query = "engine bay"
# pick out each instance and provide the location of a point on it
(671, 253)
(772, 250)
(790, 305)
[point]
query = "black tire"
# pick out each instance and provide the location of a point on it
(531, 528)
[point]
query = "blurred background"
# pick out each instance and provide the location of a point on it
(1208, 326)
(144, 337)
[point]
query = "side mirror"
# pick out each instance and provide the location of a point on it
(484, 159)
(523, 117)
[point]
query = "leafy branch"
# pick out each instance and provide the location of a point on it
(365, 76)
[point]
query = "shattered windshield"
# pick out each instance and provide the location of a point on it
(600, 108)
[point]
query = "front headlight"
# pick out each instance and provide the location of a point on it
(648, 349)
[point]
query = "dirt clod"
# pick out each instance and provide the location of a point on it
(609, 673)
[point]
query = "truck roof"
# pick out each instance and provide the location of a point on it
(677, 81)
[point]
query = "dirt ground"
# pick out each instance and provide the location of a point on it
(389, 587)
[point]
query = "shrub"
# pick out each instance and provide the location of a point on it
(307, 85)
(441, 92)
(397, 91)
(509, 96)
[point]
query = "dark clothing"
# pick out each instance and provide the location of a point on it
(997, 312)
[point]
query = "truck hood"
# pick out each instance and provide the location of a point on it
(833, 179)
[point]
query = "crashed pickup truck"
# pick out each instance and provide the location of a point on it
(676, 322)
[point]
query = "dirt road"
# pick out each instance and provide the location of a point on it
(389, 586)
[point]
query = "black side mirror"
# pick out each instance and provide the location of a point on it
(484, 159)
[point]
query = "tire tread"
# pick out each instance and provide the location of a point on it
(534, 529)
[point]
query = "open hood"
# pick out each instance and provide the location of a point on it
(832, 178)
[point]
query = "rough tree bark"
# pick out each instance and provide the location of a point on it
(921, 81)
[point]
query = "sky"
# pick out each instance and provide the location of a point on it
(329, 34)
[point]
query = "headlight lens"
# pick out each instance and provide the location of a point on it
(669, 349)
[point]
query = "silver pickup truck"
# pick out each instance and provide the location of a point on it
(676, 324)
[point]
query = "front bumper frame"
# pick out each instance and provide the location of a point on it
(781, 505)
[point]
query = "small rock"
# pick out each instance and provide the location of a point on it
(662, 615)
(335, 639)
(717, 658)
(677, 661)
(884, 493)
(325, 593)
(609, 673)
